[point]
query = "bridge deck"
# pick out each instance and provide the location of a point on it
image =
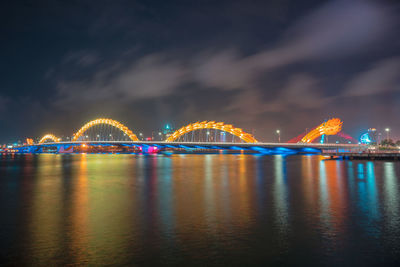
(275, 148)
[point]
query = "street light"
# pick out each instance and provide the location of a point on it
(208, 133)
(279, 135)
(387, 130)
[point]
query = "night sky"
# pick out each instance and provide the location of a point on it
(260, 65)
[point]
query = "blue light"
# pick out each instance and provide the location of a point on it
(365, 139)
(310, 150)
(284, 149)
(261, 150)
(185, 147)
(237, 148)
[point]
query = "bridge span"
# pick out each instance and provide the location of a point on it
(110, 136)
(161, 146)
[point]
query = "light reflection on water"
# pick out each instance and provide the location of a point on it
(197, 209)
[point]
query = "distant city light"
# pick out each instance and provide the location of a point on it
(365, 139)
(387, 133)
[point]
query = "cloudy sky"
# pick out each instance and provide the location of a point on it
(260, 65)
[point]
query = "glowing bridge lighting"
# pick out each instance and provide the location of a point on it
(330, 127)
(49, 137)
(212, 125)
(111, 122)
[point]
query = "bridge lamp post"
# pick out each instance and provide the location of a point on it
(141, 136)
(98, 137)
(159, 133)
(279, 135)
(387, 130)
(208, 134)
(223, 137)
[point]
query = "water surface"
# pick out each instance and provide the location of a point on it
(197, 209)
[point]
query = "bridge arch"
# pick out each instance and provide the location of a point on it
(49, 137)
(212, 125)
(111, 122)
(330, 127)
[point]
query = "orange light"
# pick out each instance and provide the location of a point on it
(331, 127)
(83, 145)
(212, 125)
(29, 141)
(111, 122)
(49, 137)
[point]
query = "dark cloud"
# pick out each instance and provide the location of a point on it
(150, 76)
(336, 29)
(81, 58)
(380, 78)
(341, 28)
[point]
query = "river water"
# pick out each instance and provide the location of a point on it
(88, 209)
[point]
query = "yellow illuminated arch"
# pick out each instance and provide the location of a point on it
(330, 127)
(111, 122)
(49, 137)
(212, 125)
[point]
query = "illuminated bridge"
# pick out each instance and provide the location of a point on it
(111, 136)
